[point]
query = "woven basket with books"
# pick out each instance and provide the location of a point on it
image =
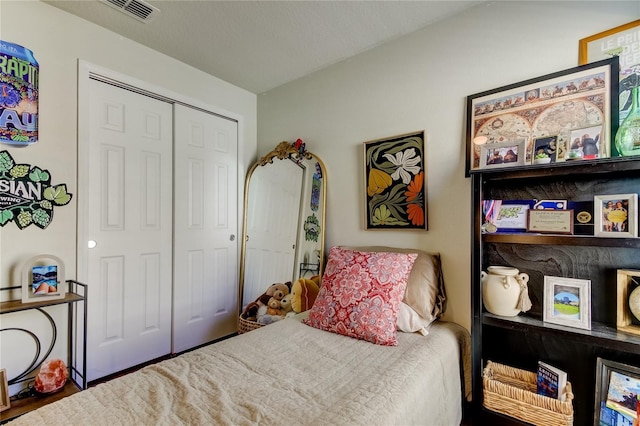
(512, 391)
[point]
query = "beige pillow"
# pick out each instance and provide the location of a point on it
(410, 322)
(425, 291)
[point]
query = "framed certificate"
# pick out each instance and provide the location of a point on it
(550, 221)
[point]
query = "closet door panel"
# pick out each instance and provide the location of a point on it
(205, 303)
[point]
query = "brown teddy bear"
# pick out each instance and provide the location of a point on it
(276, 290)
(274, 307)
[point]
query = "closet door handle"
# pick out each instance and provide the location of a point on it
(232, 237)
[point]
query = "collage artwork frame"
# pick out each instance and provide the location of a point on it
(575, 293)
(395, 183)
(540, 107)
(612, 380)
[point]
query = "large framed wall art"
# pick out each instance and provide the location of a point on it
(545, 113)
(624, 42)
(395, 183)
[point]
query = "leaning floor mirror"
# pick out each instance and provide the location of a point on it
(284, 219)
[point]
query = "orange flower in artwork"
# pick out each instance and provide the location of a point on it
(415, 187)
(416, 214)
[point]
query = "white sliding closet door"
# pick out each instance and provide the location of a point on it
(129, 216)
(205, 296)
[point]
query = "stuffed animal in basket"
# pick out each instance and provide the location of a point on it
(285, 305)
(277, 290)
(303, 293)
(274, 307)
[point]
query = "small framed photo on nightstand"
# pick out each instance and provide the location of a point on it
(567, 301)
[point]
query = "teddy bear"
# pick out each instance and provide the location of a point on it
(263, 318)
(285, 305)
(276, 290)
(273, 307)
(303, 293)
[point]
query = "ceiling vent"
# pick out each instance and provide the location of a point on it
(137, 9)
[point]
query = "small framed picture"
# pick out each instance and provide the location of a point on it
(586, 144)
(5, 402)
(505, 215)
(617, 390)
(503, 154)
(548, 221)
(567, 301)
(628, 301)
(616, 216)
(43, 279)
(545, 150)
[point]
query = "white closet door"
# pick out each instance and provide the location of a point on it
(129, 216)
(205, 297)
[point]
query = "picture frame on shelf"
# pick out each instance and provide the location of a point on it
(538, 107)
(567, 301)
(619, 41)
(43, 279)
(616, 215)
(395, 183)
(585, 144)
(547, 221)
(617, 387)
(628, 301)
(505, 216)
(5, 399)
(505, 154)
(545, 149)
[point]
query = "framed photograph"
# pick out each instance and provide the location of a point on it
(585, 143)
(5, 401)
(622, 42)
(541, 108)
(616, 216)
(42, 278)
(545, 149)
(548, 221)
(395, 182)
(505, 216)
(628, 301)
(567, 301)
(505, 154)
(617, 390)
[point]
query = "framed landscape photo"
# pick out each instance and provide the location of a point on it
(616, 215)
(567, 301)
(544, 107)
(617, 390)
(623, 42)
(395, 183)
(43, 278)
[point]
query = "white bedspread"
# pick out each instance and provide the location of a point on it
(284, 374)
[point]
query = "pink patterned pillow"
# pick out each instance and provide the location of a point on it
(360, 294)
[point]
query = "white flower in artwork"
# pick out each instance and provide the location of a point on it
(407, 163)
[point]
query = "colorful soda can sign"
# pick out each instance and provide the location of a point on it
(19, 72)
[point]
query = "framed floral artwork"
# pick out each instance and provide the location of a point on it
(395, 182)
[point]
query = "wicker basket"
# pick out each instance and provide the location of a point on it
(244, 325)
(512, 391)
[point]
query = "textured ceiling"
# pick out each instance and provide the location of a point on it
(260, 45)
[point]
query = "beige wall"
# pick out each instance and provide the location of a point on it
(58, 41)
(421, 82)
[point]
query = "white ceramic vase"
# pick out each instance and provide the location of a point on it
(504, 291)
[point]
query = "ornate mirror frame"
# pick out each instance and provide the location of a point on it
(307, 258)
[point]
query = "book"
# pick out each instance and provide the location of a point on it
(551, 381)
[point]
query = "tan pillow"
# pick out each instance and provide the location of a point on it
(410, 322)
(425, 291)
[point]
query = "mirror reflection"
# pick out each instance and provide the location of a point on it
(284, 217)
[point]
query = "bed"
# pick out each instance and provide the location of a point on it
(289, 372)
